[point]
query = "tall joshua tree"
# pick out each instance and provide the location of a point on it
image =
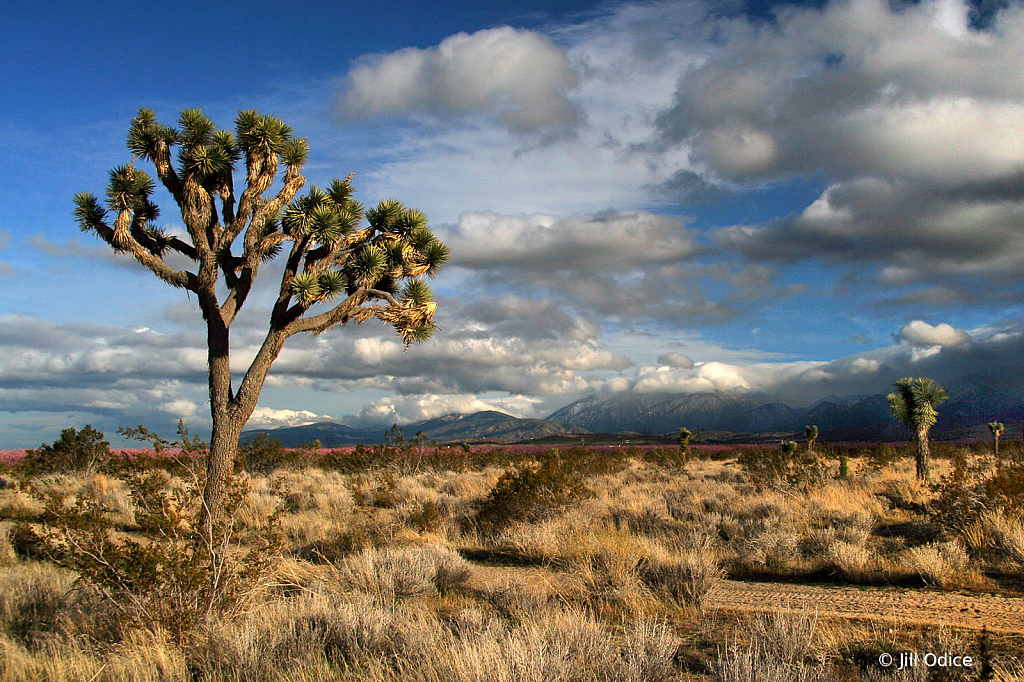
(337, 270)
(914, 402)
(810, 435)
(997, 430)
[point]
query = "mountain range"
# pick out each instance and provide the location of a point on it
(730, 417)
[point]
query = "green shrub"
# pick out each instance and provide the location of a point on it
(783, 465)
(75, 452)
(531, 492)
(883, 456)
(262, 454)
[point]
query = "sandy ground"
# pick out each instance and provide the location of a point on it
(883, 604)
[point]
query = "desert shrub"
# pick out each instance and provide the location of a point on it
(847, 558)
(686, 579)
(883, 456)
(262, 454)
(32, 601)
(941, 564)
(174, 577)
(969, 492)
(783, 465)
(75, 452)
(781, 648)
(391, 574)
(531, 492)
(515, 599)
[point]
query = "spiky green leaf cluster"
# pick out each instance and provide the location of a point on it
(145, 134)
(89, 214)
(914, 402)
(265, 135)
(128, 188)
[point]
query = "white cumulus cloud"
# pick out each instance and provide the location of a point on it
(519, 77)
(920, 333)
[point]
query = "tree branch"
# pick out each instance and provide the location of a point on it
(341, 313)
(122, 240)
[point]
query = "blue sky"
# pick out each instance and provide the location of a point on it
(800, 200)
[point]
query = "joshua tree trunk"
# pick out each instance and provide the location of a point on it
(922, 453)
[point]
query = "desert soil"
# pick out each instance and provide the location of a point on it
(894, 605)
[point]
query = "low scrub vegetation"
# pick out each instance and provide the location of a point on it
(428, 562)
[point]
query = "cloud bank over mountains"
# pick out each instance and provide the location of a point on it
(651, 197)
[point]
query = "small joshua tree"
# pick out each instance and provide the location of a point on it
(684, 439)
(913, 403)
(811, 435)
(353, 272)
(997, 430)
(788, 448)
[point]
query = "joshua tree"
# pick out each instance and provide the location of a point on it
(913, 402)
(684, 437)
(997, 430)
(358, 270)
(788, 447)
(811, 435)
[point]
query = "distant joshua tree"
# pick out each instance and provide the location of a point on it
(811, 434)
(997, 430)
(913, 403)
(684, 439)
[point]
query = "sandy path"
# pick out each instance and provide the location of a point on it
(894, 605)
(897, 605)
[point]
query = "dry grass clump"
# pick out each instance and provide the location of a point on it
(515, 598)
(315, 637)
(392, 574)
(16, 505)
(781, 647)
(997, 534)
(686, 577)
(849, 559)
(941, 564)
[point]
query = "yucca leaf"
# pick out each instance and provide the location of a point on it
(410, 221)
(332, 283)
(385, 214)
(368, 264)
(88, 212)
(128, 187)
(295, 151)
(340, 191)
(196, 128)
(396, 254)
(418, 333)
(437, 255)
(225, 142)
(324, 225)
(420, 238)
(417, 292)
(306, 288)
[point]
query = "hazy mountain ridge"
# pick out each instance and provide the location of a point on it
(970, 407)
(488, 425)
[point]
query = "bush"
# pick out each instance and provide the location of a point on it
(783, 465)
(75, 452)
(176, 576)
(531, 492)
(263, 454)
(688, 579)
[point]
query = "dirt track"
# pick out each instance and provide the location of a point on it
(923, 607)
(1003, 615)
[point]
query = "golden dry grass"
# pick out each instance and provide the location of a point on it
(371, 584)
